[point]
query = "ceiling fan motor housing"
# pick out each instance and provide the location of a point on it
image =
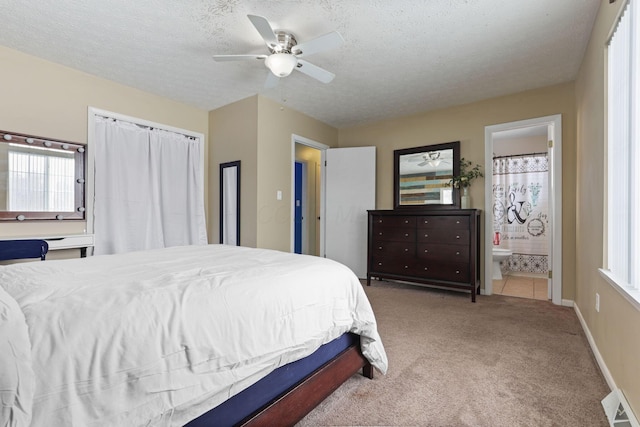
(285, 42)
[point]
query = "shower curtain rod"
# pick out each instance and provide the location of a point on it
(521, 155)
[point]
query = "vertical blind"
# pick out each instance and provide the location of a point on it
(623, 178)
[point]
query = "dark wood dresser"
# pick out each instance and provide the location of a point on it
(428, 247)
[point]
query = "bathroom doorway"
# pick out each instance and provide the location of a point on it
(523, 221)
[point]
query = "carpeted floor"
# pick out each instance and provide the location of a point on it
(503, 361)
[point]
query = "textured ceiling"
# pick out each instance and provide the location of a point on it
(399, 57)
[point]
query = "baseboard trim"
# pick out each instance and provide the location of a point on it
(594, 348)
(568, 303)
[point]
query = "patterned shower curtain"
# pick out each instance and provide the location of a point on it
(520, 210)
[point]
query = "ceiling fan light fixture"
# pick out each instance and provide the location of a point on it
(281, 64)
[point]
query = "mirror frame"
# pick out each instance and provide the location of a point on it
(455, 146)
(79, 184)
(223, 197)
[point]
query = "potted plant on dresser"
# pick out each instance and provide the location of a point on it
(468, 172)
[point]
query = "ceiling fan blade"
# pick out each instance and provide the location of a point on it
(328, 41)
(271, 81)
(265, 30)
(422, 164)
(222, 58)
(314, 71)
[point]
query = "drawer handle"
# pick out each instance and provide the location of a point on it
(406, 221)
(426, 221)
(457, 253)
(426, 268)
(406, 249)
(380, 247)
(379, 263)
(457, 222)
(380, 233)
(426, 251)
(426, 235)
(406, 266)
(457, 237)
(457, 271)
(406, 234)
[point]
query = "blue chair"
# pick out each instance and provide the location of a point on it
(22, 249)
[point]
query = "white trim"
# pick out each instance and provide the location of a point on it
(297, 139)
(631, 295)
(554, 126)
(92, 113)
(594, 348)
(568, 303)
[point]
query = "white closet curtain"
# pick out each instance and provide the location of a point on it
(148, 188)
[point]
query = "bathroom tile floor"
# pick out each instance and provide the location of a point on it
(522, 286)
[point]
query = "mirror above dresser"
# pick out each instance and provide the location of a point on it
(422, 175)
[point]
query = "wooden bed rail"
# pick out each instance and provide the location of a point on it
(291, 407)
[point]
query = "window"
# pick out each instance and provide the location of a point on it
(40, 181)
(623, 180)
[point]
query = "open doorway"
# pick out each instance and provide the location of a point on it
(307, 199)
(520, 197)
(523, 221)
(344, 185)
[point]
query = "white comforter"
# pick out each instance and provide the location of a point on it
(126, 340)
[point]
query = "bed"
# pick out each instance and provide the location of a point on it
(197, 335)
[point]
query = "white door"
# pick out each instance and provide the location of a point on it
(350, 190)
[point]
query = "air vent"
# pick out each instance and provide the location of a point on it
(618, 410)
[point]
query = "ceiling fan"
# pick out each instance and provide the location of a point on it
(432, 158)
(286, 54)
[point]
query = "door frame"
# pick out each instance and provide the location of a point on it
(297, 139)
(554, 133)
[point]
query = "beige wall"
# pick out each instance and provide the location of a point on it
(257, 131)
(615, 328)
(46, 99)
(276, 124)
(233, 132)
(466, 124)
(523, 145)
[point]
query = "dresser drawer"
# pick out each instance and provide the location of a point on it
(391, 248)
(432, 251)
(443, 236)
(448, 222)
(437, 270)
(393, 221)
(396, 265)
(393, 234)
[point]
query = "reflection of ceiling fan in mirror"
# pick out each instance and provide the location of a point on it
(431, 158)
(286, 54)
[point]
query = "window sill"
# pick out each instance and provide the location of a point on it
(631, 295)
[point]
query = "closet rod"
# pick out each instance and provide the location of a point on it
(193, 138)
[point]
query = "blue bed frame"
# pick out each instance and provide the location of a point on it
(290, 392)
